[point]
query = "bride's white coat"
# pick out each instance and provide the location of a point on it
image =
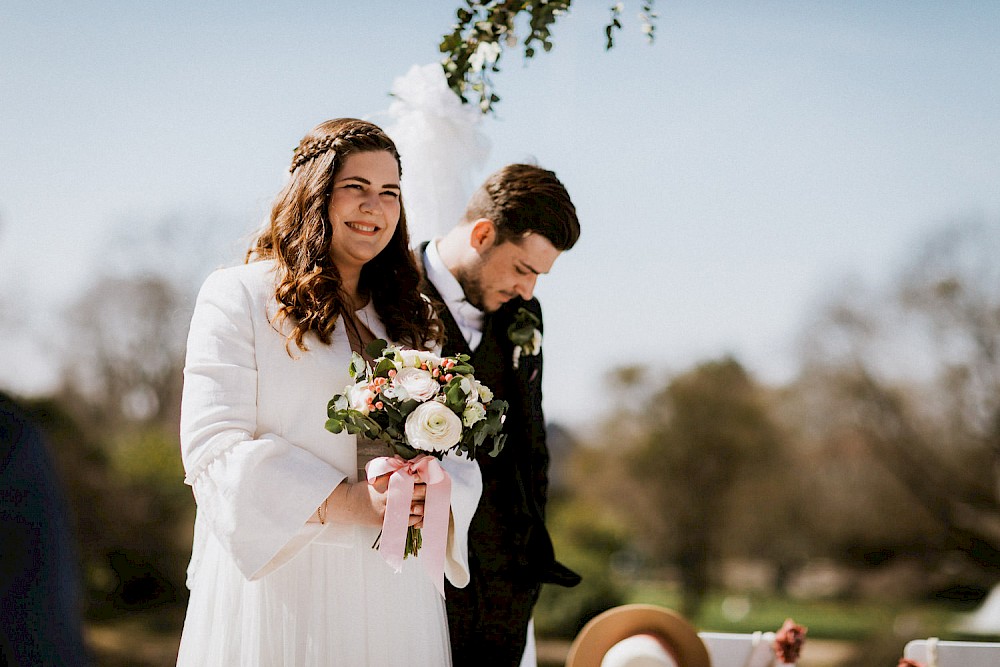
(267, 587)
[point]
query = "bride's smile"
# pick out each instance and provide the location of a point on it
(362, 228)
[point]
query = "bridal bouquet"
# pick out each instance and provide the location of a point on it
(418, 403)
(423, 406)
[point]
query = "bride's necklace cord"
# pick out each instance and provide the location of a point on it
(358, 333)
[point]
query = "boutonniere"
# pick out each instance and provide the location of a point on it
(525, 335)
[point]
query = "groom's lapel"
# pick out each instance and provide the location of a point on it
(454, 342)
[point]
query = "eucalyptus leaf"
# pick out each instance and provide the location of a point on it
(498, 444)
(405, 450)
(393, 410)
(463, 369)
(455, 397)
(384, 366)
(407, 406)
(375, 348)
(373, 427)
(358, 366)
(480, 434)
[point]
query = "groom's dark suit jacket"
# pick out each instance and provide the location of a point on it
(510, 552)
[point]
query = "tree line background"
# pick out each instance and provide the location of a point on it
(872, 475)
(869, 480)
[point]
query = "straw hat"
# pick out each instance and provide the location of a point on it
(614, 625)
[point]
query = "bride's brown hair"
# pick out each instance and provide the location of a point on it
(298, 237)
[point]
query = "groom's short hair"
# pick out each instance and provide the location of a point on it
(522, 199)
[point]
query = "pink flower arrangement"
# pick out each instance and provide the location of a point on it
(422, 406)
(418, 403)
(788, 641)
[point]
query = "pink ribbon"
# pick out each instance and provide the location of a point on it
(437, 511)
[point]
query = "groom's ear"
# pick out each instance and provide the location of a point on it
(483, 236)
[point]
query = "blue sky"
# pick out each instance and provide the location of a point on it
(728, 177)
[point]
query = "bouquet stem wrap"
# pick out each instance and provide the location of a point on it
(437, 511)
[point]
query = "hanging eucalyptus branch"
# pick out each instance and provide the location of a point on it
(484, 27)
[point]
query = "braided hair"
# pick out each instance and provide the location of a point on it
(298, 238)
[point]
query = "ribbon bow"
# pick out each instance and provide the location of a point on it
(437, 508)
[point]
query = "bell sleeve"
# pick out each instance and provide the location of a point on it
(467, 487)
(255, 491)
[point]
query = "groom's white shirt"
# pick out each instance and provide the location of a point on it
(468, 318)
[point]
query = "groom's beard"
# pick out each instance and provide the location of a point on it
(471, 280)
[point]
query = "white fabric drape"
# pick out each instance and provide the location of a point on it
(442, 145)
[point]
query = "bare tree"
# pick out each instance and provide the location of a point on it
(124, 338)
(124, 352)
(914, 374)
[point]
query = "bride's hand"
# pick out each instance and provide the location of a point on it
(358, 502)
(381, 484)
(417, 505)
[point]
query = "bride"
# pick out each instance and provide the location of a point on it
(283, 571)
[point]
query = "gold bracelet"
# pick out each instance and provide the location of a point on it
(322, 511)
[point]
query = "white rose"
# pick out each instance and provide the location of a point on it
(432, 427)
(358, 397)
(485, 393)
(474, 411)
(417, 383)
(415, 358)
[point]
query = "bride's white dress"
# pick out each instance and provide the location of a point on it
(268, 588)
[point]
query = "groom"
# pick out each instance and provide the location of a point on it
(484, 271)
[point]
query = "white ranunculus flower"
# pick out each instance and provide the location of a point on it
(414, 358)
(432, 427)
(474, 411)
(418, 384)
(358, 396)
